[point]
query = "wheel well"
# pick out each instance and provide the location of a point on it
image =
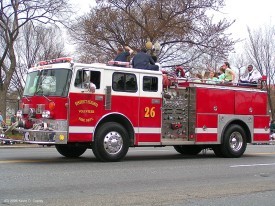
(121, 120)
(243, 125)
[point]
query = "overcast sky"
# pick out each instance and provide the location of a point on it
(248, 13)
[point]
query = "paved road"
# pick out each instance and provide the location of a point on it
(147, 176)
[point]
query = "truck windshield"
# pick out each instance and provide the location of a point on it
(51, 82)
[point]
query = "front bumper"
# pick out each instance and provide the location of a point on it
(47, 137)
(44, 131)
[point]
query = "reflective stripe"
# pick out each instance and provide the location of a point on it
(261, 131)
(149, 143)
(156, 130)
(81, 129)
(143, 130)
(206, 130)
(147, 130)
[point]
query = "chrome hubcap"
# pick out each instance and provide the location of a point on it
(113, 142)
(236, 141)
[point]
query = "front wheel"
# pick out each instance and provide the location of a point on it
(70, 150)
(234, 142)
(188, 149)
(111, 142)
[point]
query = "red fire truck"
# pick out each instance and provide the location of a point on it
(131, 108)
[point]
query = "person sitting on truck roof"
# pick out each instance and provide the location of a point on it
(251, 78)
(179, 71)
(142, 60)
(229, 74)
(212, 79)
(123, 54)
(198, 78)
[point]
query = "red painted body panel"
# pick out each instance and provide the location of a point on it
(261, 122)
(84, 109)
(77, 137)
(206, 138)
(208, 99)
(148, 138)
(128, 106)
(261, 137)
(245, 101)
(208, 120)
(150, 112)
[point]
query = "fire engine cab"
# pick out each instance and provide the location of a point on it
(111, 107)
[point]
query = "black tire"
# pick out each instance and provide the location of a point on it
(188, 149)
(111, 142)
(70, 150)
(234, 142)
(218, 151)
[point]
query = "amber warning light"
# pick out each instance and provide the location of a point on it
(51, 106)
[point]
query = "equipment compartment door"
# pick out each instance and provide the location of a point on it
(149, 130)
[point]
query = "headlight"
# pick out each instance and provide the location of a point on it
(46, 114)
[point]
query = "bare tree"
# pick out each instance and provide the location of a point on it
(260, 51)
(34, 44)
(239, 61)
(14, 14)
(183, 28)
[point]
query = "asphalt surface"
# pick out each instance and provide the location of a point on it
(32, 175)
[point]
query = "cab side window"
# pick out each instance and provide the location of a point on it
(124, 82)
(95, 78)
(87, 76)
(150, 84)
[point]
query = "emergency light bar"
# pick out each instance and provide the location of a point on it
(55, 61)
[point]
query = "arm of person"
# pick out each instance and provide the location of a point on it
(232, 73)
(244, 77)
(131, 51)
(256, 76)
(151, 60)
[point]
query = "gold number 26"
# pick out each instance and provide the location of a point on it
(149, 112)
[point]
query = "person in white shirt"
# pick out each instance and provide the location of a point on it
(83, 81)
(251, 78)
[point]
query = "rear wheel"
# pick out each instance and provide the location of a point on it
(111, 142)
(234, 142)
(188, 149)
(70, 150)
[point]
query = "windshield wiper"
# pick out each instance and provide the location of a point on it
(46, 98)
